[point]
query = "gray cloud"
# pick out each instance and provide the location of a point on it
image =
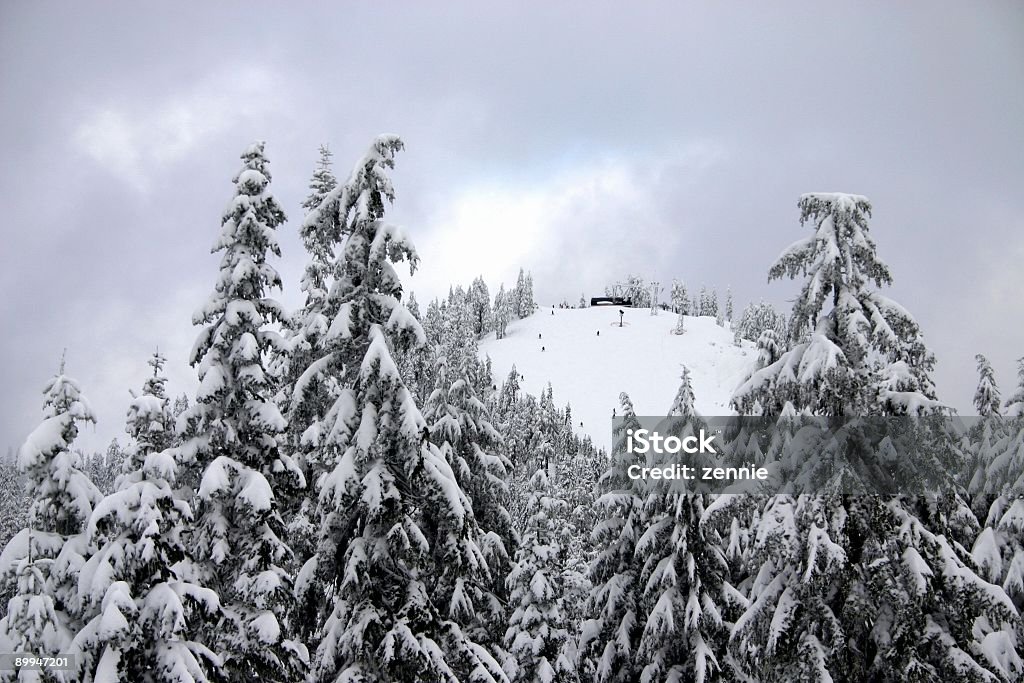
(603, 138)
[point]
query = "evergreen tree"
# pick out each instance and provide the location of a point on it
(865, 355)
(32, 624)
(998, 485)
(397, 529)
(502, 312)
(680, 298)
(885, 572)
(14, 505)
(134, 582)
(516, 299)
(460, 426)
(526, 303)
(756, 318)
(537, 637)
(610, 638)
(232, 439)
(479, 301)
(44, 558)
(306, 391)
(986, 397)
(728, 305)
(684, 571)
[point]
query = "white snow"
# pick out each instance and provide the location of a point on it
(642, 358)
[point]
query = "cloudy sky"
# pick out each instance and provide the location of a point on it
(581, 140)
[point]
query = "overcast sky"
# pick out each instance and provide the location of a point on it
(581, 140)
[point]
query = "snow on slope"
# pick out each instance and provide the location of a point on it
(642, 358)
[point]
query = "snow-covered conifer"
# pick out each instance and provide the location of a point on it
(460, 425)
(525, 299)
(680, 297)
(232, 440)
(502, 312)
(43, 559)
(986, 396)
(537, 638)
(479, 302)
(398, 530)
(516, 294)
(885, 571)
(610, 637)
(146, 611)
(866, 354)
(756, 318)
(687, 598)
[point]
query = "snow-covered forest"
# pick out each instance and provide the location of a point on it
(354, 493)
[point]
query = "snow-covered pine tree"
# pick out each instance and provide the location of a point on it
(865, 355)
(756, 318)
(680, 297)
(537, 638)
(703, 302)
(986, 439)
(145, 609)
(304, 400)
(583, 301)
(43, 559)
(728, 305)
(885, 572)
(687, 597)
(502, 312)
(152, 403)
(232, 439)
(514, 420)
(516, 295)
(986, 396)
(610, 637)
(305, 392)
(460, 426)
(102, 467)
(999, 485)
(479, 302)
(14, 505)
(397, 529)
(527, 305)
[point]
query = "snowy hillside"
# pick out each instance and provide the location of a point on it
(642, 358)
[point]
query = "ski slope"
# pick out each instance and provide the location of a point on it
(642, 358)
